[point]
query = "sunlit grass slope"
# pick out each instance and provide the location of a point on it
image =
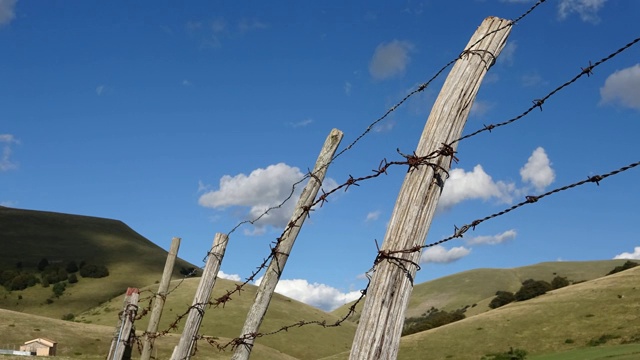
(561, 320)
(480, 285)
(306, 342)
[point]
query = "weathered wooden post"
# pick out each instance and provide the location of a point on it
(159, 300)
(378, 333)
(121, 342)
(183, 350)
(279, 260)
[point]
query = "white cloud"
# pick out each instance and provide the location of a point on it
(532, 79)
(315, 294)
(7, 11)
(634, 255)
(507, 55)
(537, 170)
(186, 82)
(587, 9)
(623, 88)
(347, 88)
(246, 25)
(476, 184)
(438, 254)
(390, 59)
(233, 277)
(480, 108)
(100, 89)
(493, 239)
(301, 123)
(373, 216)
(8, 141)
(8, 203)
(261, 190)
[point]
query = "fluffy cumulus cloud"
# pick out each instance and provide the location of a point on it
(634, 255)
(223, 275)
(7, 11)
(373, 216)
(476, 184)
(440, 255)
(261, 190)
(493, 239)
(537, 171)
(586, 9)
(7, 141)
(508, 53)
(321, 296)
(622, 88)
(390, 59)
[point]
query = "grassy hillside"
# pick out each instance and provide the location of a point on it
(561, 320)
(88, 341)
(307, 342)
(480, 285)
(27, 236)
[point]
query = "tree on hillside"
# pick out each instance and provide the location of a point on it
(626, 266)
(42, 264)
(94, 271)
(502, 298)
(532, 288)
(559, 282)
(72, 267)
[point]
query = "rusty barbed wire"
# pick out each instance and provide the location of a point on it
(414, 162)
(529, 199)
(370, 127)
(537, 103)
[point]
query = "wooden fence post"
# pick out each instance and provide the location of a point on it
(279, 260)
(121, 343)
(378, 333)
(183, 350)
(159, 300)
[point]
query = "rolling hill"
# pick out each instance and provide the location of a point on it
(27, 236)
(562, 320)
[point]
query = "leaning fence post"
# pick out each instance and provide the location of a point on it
(160, 298)
(183, 350)
(378, 333)
(279, 260)
(121, 342)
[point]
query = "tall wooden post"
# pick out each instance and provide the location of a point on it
(279, 260)
(185, 346)
(121, 343)
(378, 333)
(159, 300)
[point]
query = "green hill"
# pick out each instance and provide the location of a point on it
(479, 286)
(306, 342)
(28, 236)
(570, 318)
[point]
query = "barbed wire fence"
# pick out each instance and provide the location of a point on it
(412, 161)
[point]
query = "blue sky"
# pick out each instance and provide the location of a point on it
(183, 119)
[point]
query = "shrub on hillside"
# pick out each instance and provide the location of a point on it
(559, 282)
(42, 264)
(532, 288)
(54, 274)
(22, 281)
(431, 319)
(94, 271)
(512, 354)
(502, 298)
(626, 266)
(72, 267)
(59, 288)
(73, 279)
